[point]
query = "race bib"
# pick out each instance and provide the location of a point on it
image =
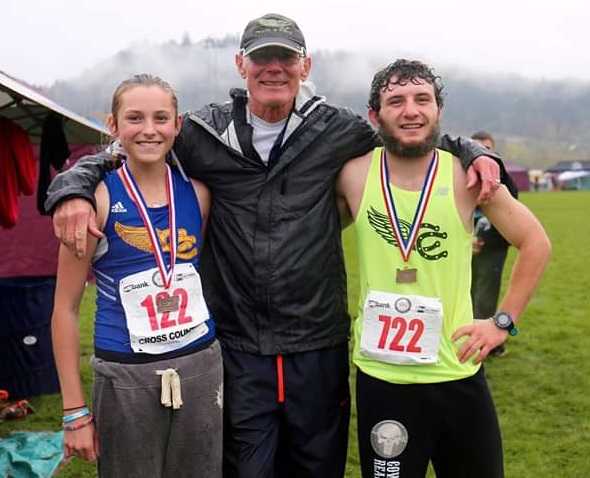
(401, 329)
(162, 320)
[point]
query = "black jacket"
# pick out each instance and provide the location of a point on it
(272, 267)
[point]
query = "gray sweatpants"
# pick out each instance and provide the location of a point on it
(138, 437)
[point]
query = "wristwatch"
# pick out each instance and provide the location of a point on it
(504, 321)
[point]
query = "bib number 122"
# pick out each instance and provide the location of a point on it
(415, 327)
(165, 320)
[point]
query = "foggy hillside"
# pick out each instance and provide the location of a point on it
(536, 123)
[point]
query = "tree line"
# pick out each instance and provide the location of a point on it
(536, 122)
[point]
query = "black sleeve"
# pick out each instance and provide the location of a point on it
(366, 138)
(467, 150)
(186, 147)
(509, 183)
(79, 181)
(353, 136)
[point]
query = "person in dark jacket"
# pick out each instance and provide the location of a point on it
(489, 255)
(273, 262)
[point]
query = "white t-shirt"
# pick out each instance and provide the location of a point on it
(264, 135)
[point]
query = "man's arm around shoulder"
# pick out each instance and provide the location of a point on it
(79, 181)
(71, 199)
(484, 167)
(352, 135)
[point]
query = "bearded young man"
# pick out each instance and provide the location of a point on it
(272, 267)
(421, 394)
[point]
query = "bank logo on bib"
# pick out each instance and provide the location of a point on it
(428, 243)
(389, 438)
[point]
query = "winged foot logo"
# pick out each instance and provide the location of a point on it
(428, 243)
(137, 237)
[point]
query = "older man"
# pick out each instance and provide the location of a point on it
(273, 266)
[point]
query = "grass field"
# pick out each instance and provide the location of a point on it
(541, 388)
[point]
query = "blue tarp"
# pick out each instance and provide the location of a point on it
(30, 454)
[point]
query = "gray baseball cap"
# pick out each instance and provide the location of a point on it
(272, 29)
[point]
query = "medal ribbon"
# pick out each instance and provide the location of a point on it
(137, 198)
(405, 246)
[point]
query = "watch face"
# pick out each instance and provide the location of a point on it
(503, 321)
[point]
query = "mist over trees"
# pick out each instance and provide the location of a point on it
(536, 123)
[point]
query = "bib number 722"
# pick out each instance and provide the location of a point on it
(415, 327)
(165, 320)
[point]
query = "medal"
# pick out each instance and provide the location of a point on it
(167, 303)
(407, 275)
(166, 274)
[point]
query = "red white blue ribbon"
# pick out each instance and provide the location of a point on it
(136, 196)
(406, 245)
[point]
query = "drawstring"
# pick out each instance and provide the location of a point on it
(171, 393)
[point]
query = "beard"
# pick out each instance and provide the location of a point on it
(395, 147)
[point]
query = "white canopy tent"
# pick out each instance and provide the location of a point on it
(28, 108)
(569, 175)
(28, 250)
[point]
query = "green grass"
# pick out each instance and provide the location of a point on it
(541, 388)
(48, 408)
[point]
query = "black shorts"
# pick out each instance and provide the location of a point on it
(286, 416)
(403, 427)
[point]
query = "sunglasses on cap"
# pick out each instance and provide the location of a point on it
(264, 56)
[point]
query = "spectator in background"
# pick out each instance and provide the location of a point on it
(489, 255)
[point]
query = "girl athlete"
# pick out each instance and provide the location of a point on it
(157, 397)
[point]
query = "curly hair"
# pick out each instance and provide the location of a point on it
(404, 71)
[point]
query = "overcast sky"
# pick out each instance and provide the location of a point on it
(45, 40)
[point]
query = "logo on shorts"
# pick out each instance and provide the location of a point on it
(402, 305)
(389, 438)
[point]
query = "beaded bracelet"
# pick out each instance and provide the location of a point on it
(74, 416)
(77, 426)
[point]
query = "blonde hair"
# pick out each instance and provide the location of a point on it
(143, 79)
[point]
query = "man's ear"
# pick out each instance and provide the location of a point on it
(112, 125)
(306, 68)
(239, 60)
(373, 117)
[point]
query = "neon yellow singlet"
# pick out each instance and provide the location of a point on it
(442, 257)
